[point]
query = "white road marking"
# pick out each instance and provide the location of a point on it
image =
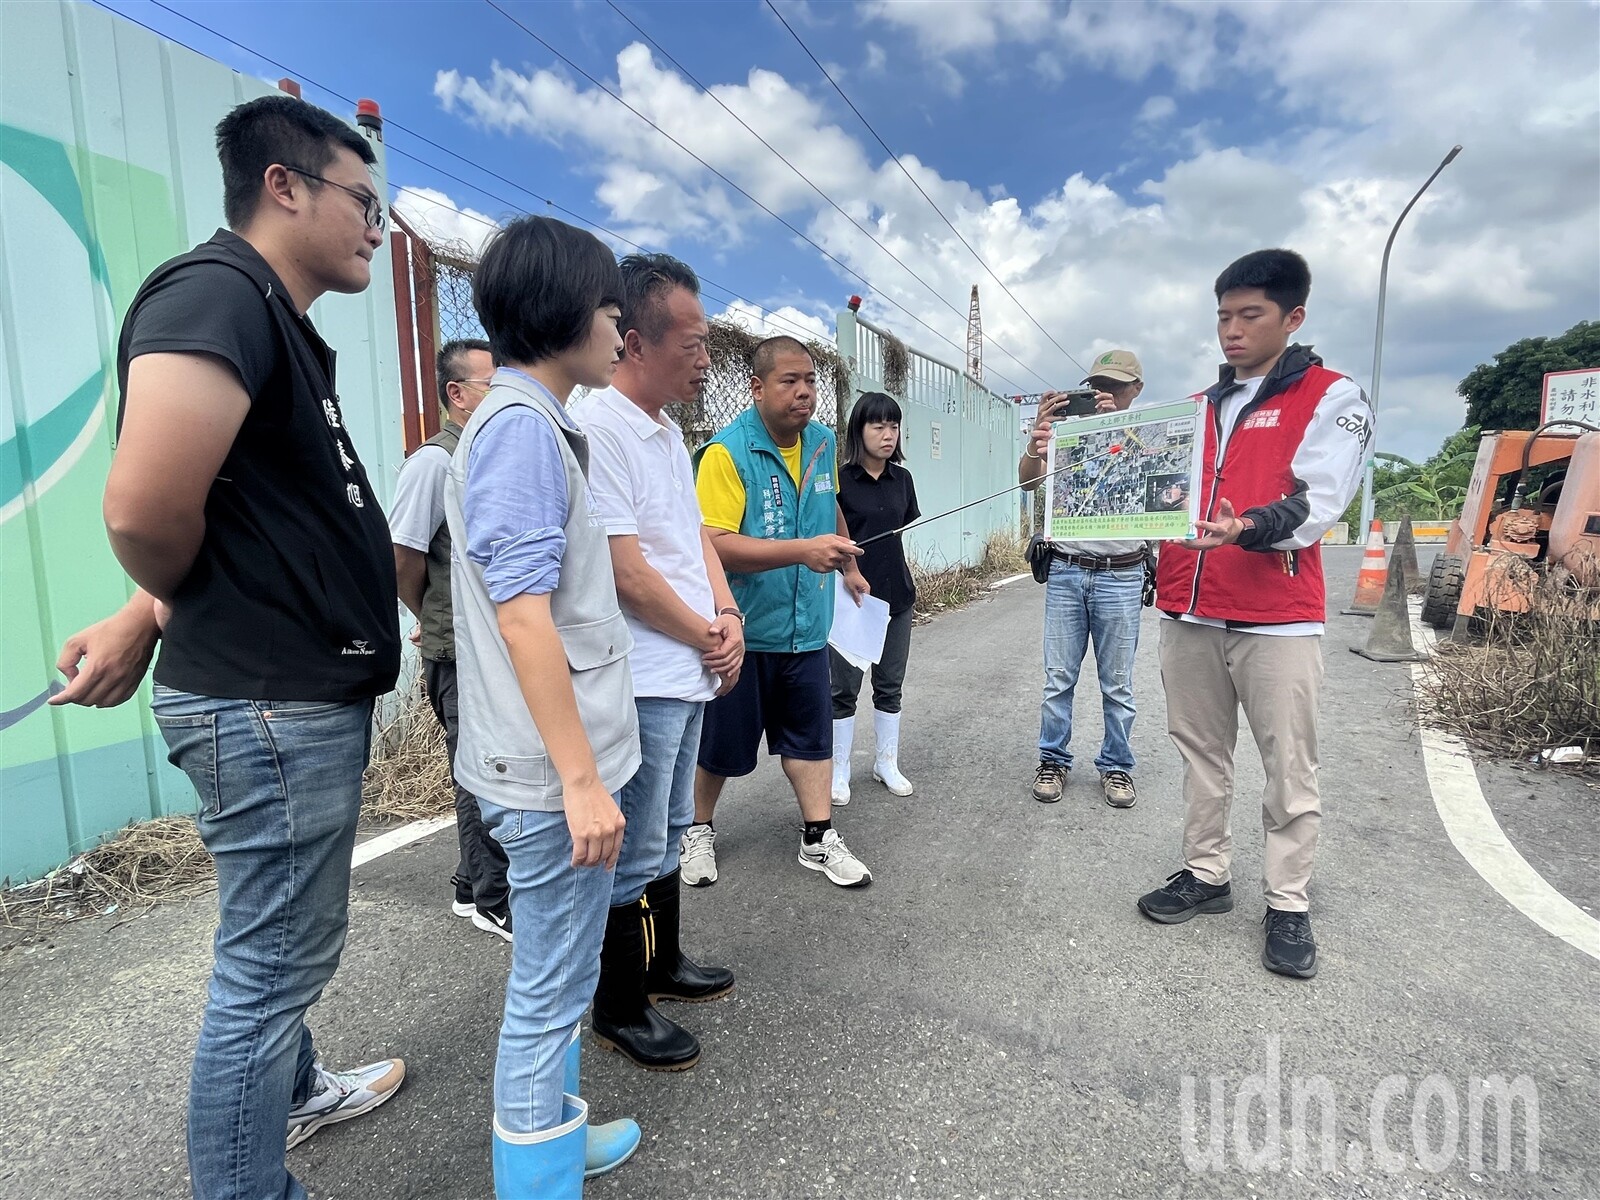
(413, 831)
(1477, 836)
(1012, 579)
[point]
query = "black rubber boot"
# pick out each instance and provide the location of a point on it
(672, 974)
(624, 1020)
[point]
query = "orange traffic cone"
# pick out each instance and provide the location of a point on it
(1390, 639)
(1369, 583)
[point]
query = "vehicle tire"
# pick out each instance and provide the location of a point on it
(1445, 581)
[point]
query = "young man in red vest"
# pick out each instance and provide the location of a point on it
(1243, 603)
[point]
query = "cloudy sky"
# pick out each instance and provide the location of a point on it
(1104, 160)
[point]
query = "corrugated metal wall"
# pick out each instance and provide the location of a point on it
(107, 168)
(961, 443)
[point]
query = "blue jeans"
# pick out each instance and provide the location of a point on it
(280, 793)
(1080, 605)
(658, 802)
(559, 913)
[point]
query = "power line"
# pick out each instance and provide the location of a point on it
(775, 216)
(813, 186)
(826, 75)
(768, 314)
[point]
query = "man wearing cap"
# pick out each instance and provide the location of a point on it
(1095, 591)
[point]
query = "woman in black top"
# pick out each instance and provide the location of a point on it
(876, 495)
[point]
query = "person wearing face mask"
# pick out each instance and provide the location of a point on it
(876, 495)
(422, 567)
(768, 487)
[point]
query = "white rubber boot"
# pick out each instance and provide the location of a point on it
(844, 733)
(885, 767)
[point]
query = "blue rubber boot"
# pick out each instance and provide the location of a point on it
(609, 1145)
(547, 1165)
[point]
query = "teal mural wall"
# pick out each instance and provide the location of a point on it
(107, 168)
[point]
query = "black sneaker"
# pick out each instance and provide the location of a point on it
(1290, 948)
(494, 920)
(462, 905)
(1049, 781)
(1183, 897)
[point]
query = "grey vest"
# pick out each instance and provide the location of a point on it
(501, 757)
(438, 632)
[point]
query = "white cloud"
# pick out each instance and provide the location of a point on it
(1506, 244)
(441, 221)
(947, 25)
(876, 59)
(765, 322)
(1155, 110)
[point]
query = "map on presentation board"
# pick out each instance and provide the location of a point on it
(1128, 475)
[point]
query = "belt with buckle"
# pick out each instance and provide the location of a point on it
(1095, 562)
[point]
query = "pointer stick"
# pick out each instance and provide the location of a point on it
(924, 520)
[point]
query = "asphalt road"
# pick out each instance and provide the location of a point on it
(991, 1018)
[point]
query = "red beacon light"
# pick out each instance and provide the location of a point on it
(369, 117)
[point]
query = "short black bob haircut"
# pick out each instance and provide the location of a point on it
(1282, 274)
(647, 281)
(282, 130)
(873, 406)
(538, 286)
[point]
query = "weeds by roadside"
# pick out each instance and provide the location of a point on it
(1533, 683)
(944, 587)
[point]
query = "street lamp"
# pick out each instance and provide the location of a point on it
(1377, 341)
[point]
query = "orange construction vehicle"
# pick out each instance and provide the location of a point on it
(1534, 500)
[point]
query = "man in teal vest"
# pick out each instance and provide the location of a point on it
(768, 490)
(422, 567)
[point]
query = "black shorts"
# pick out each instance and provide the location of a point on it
(787, 696)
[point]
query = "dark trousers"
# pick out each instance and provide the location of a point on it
(483, 860)
(888, 673)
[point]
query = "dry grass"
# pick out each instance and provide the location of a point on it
(145, 863)
(155, 861)
(942, 587)
(1534, 682)
(409, 776)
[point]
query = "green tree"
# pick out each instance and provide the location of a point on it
(1505, 394)
(1433, 489)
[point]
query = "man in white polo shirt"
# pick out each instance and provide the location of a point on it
(688, 647)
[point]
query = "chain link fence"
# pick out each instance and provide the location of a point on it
(452, 290)
(727, 388)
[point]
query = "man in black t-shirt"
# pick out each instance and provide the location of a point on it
(237, 503)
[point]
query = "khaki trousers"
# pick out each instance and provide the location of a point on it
(1208, 675)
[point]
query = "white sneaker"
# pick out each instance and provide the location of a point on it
(834, 859)
(843, 735)
(339, 1095)
(697, 856)
(886, 765)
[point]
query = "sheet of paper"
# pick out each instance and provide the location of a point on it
(858, 633)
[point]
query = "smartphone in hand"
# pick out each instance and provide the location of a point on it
(1077, 403)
